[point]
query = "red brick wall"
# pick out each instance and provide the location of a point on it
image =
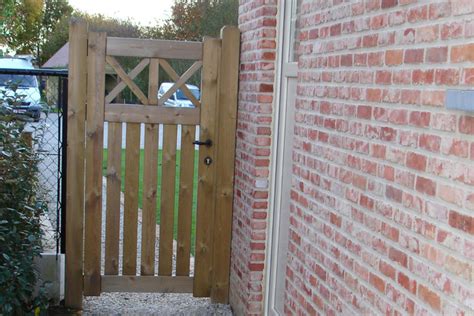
(383, 201)
(257, 22)
(383, 195)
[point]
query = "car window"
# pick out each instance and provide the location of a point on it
(182, 96)
(20, 80)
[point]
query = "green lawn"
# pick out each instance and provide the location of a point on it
(158, 197)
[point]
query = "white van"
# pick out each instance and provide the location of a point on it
(179, 99)
(24, 86)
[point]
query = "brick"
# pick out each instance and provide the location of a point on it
(407, 283)
(383, 77)
(447, 76)
(462, 53)
(410, 96)
(394, 57)
(370, 40)
(469, 76)
(436, 54)
(335, 29)
(416, 161)
(430, 297)
(450, 194)
(469, 29)
(422, 77)
(433, 98)
(418, 14)
(393, 194)
(398, 256)
(346, 60)
(444, 122)
(388, 270)
(377, 282)
(398, 117)
(420, 119)
(413, 56)
(427, 34)
(463, 7)
(406, 36)
(264, 87)
(466, 124)
(426, 186)
(374, 95)
(401, 76)
(375, 59)
(439, 10)
(455, 147)
(364, 112)
(461, 222)
(389, 3)
(378, 21)
(451, 30)
(430, 142)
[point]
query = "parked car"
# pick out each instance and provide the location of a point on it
(19, 94)
(179, 99)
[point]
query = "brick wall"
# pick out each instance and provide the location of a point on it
(383, 186)
(257, 22)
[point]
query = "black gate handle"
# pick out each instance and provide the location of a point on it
(207, 143)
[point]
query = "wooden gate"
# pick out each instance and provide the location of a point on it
(103, 246)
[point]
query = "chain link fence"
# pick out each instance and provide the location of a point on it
(39, 97)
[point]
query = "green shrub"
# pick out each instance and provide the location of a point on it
(20, 229)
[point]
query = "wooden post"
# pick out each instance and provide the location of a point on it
(188, 133)
(227, 120)
(167, 200)
(75, 162)
(94, 151)
(130, 216)
(150, 178)
(206, 173)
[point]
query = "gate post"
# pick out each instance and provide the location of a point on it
(226, 124)
(207, 172)
(75, 163)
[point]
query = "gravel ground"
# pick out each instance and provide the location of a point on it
(148, 303)
(152, 304)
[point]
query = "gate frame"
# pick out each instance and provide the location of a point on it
(212, 259)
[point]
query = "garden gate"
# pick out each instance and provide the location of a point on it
(95, 261)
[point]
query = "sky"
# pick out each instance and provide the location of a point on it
(143, 12)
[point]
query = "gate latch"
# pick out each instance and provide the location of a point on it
(207, 143)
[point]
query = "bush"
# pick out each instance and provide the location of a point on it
(20, 227)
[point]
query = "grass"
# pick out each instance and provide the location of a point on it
(158, 197)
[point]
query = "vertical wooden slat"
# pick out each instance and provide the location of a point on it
(94, 151)
(206, 192)
(150, 179)
(130, 217)
(114, 181)
(185, 200)
(167, 200)
(228, 90)
(75, 162)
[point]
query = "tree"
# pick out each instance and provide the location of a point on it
(97, 23)
(22, 20)
(192, 20)
(26, 23)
